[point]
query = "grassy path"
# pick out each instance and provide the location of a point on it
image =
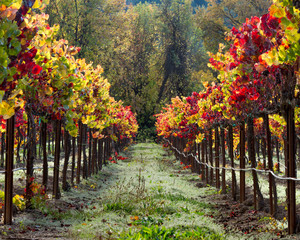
(148, 196)
(142, 197)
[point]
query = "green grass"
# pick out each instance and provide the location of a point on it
(163, 233)
(141, 198)
(144, 202)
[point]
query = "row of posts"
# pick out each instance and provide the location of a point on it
(99, 150)
(212, 157)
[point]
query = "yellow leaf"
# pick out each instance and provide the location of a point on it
(6, 111)
(276, 11)
(49, 90)
(17, 4)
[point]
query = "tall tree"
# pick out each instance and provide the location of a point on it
(176, 17)
(134, 58)
(221, 15)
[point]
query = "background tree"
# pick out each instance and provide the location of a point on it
(150, 51)
(220, 16)
(175, 27)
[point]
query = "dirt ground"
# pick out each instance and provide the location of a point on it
(233, 215)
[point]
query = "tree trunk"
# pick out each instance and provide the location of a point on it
(251, 151)
(100, 153)
(223, 160)
(49, 143)
(56, 192)
(263, 149)
(211, 157)
(9, 165)
(94, 156)
(256, 139)
(291, 168)
(31, 136)
(73, 159)
(207, 161)
(18, 160)
(2, 149)
(45, 160)
(217, 157)
(272, 186)
(90, 153)
(233, 177)
(242, 163)
(277, 153)
(65, 185)
(203, 159)
(85, 166)
(79, 153)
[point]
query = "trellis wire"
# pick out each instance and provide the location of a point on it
(231, 168)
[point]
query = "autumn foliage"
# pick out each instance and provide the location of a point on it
(254, 78)
(41, 75)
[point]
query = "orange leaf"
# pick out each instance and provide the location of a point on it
(3, 7)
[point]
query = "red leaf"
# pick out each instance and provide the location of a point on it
(37, 69)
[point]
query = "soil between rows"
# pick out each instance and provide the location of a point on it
(146, 161)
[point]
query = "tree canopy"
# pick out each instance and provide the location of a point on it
(151, 51)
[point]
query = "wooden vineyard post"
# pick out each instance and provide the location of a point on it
(56, 192)
(175, 145)
(79, 145)
(73, 160)
(109, 147)
(31, 137)
(52, 145)
(217, 157)
(84, 140)
(263, 148)
(180, 149)
(206, 159)
(94, 155)
(277, 153)
(203, 159)
(211, 157)
(242, 163)
(67, 147)
(233, 177)
(192, 160)
(9, 164)
(199, 159)
(183, 147)
(107, 150)
(291, 170)
(270, 163)
(45, 160)
(285, 142)
(100, 154)
(104, 151)
(89, 172)
(197, 165)
(2, 149)
(223, 160)
(251, 154)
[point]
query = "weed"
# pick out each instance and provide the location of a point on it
(148, 221)
(22, 226)
(180, 198)
(18, 201)
(163, 233)
(119, 206)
